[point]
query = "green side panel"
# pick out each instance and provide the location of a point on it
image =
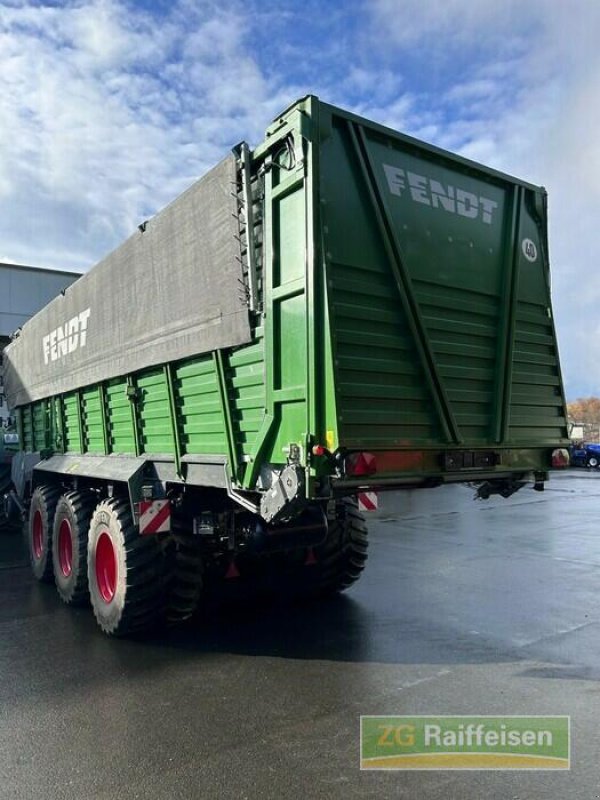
(119, 418)
(73, 443)
(245, 374)
(156, 430)
(199, 410)
(92, 419)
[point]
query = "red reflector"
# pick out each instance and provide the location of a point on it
(560, 458)
(361, 464)
(319, 450)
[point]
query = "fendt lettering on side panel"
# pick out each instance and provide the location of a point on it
(66, 338)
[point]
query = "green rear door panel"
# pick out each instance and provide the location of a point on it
(438, 316)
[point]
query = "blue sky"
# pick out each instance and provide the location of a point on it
(109, 109)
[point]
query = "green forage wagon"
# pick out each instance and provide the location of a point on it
(341, 311)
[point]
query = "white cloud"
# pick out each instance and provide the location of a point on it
(107, 114)
(409, 22)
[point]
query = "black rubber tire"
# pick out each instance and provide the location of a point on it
(73, 510)
(137, 603)
(335, 565)
(593, 462)
(38, 531)
(342, 557)
(186, 578)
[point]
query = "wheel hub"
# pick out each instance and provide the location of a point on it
(106, 567)
(65, 548)
(37, 535)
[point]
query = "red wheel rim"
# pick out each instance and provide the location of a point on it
(106, 567)
(65, 548)
(37, 535)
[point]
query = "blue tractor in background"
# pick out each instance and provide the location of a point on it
(585, 455)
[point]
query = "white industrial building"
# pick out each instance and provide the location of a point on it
(23, 292)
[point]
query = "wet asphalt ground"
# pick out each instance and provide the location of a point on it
(465, 608)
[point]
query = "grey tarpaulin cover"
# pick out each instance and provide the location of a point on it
(169, 292)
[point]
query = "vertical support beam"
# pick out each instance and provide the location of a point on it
(268, 281)
(59, 409)
(31, 428)
(79, 407)
(506, 328)
(104, 418)
(168, 372)
(315, 333)
(269, 421)
(249, 219)
(47, 417)
(132, 394)
(226, 410)
(280, 182)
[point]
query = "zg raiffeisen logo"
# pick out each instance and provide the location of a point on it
(478, 743)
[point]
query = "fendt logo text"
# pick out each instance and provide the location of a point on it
(66, 338)
(432, 193)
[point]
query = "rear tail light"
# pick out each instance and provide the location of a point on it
(358, 464)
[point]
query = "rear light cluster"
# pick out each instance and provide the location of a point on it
(360, 464)
(364, 464)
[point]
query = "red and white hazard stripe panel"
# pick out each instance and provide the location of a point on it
(155, 516)
(367, 501)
